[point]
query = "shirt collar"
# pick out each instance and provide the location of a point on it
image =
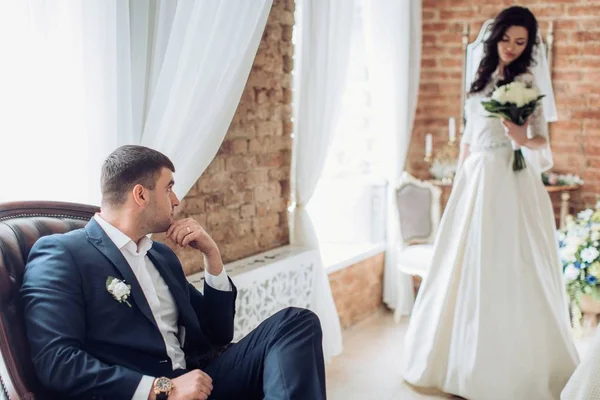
(121, 240)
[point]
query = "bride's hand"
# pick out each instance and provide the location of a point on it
(517, 133)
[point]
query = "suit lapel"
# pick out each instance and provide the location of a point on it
(102, 242)
(179, 293)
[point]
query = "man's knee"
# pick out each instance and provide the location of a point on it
(303, 317)
(296, 312)
(313, 319)
(317, 331)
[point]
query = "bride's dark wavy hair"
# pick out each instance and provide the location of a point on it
(512, 16)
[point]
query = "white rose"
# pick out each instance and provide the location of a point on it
(567, 253)
(571, 272)
(589, 254)
(501, 95)
(585, 214)
(512, 92)
(595, 236)
(584, 232)
(530, 94)
(118, 289)
(520, 96)
(517, 93)
(574, 241)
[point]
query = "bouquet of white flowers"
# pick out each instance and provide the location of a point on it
(515, 102)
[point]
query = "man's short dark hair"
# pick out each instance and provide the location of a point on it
(128, 166)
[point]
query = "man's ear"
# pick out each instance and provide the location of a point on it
(140, 194)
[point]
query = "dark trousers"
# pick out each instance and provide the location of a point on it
(281, 359)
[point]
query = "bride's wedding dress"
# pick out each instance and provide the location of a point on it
(491, 318)
(585, 382)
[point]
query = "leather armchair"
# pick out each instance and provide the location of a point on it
(21, 224)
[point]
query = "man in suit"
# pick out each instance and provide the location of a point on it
(109, 313)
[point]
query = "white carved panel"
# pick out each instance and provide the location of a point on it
(263, 298)
(268, 283)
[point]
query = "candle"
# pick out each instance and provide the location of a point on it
(428, 144)
(452, 129)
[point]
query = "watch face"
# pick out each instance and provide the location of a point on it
(163, 384)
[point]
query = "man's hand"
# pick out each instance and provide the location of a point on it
(195, 385)
(188, 232)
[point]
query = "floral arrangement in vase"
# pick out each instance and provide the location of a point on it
(553, 179)
(579, 247)
(443, 170)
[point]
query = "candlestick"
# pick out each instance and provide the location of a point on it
(451, 130)
(428, 146)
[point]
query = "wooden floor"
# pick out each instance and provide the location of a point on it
(370, 368)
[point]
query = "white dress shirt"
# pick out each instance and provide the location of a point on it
(161, 302)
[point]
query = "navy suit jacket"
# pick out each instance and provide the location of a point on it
(83, 342)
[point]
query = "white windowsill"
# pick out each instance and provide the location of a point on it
(256, 265)
(337, 256)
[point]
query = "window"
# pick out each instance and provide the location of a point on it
(54, 97)
(349, 202)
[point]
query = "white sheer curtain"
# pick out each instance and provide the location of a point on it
(81, 78)
(394, 52)
(322, 48)
(58, 95)
(202, 55)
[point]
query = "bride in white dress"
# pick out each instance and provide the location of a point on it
(491, 318)
(585, 382)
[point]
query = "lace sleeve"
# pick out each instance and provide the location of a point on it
(541, 158)
(467, 135)
(537, 121)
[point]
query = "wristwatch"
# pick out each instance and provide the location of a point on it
(162, 388)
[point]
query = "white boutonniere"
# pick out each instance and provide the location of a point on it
(119, 290)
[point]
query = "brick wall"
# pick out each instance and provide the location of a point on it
(358, 290)
(576, 77)
(241, 198)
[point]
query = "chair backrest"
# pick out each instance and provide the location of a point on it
(21, 224)
(418, 205)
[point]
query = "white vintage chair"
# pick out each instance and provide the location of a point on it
(418, 212)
